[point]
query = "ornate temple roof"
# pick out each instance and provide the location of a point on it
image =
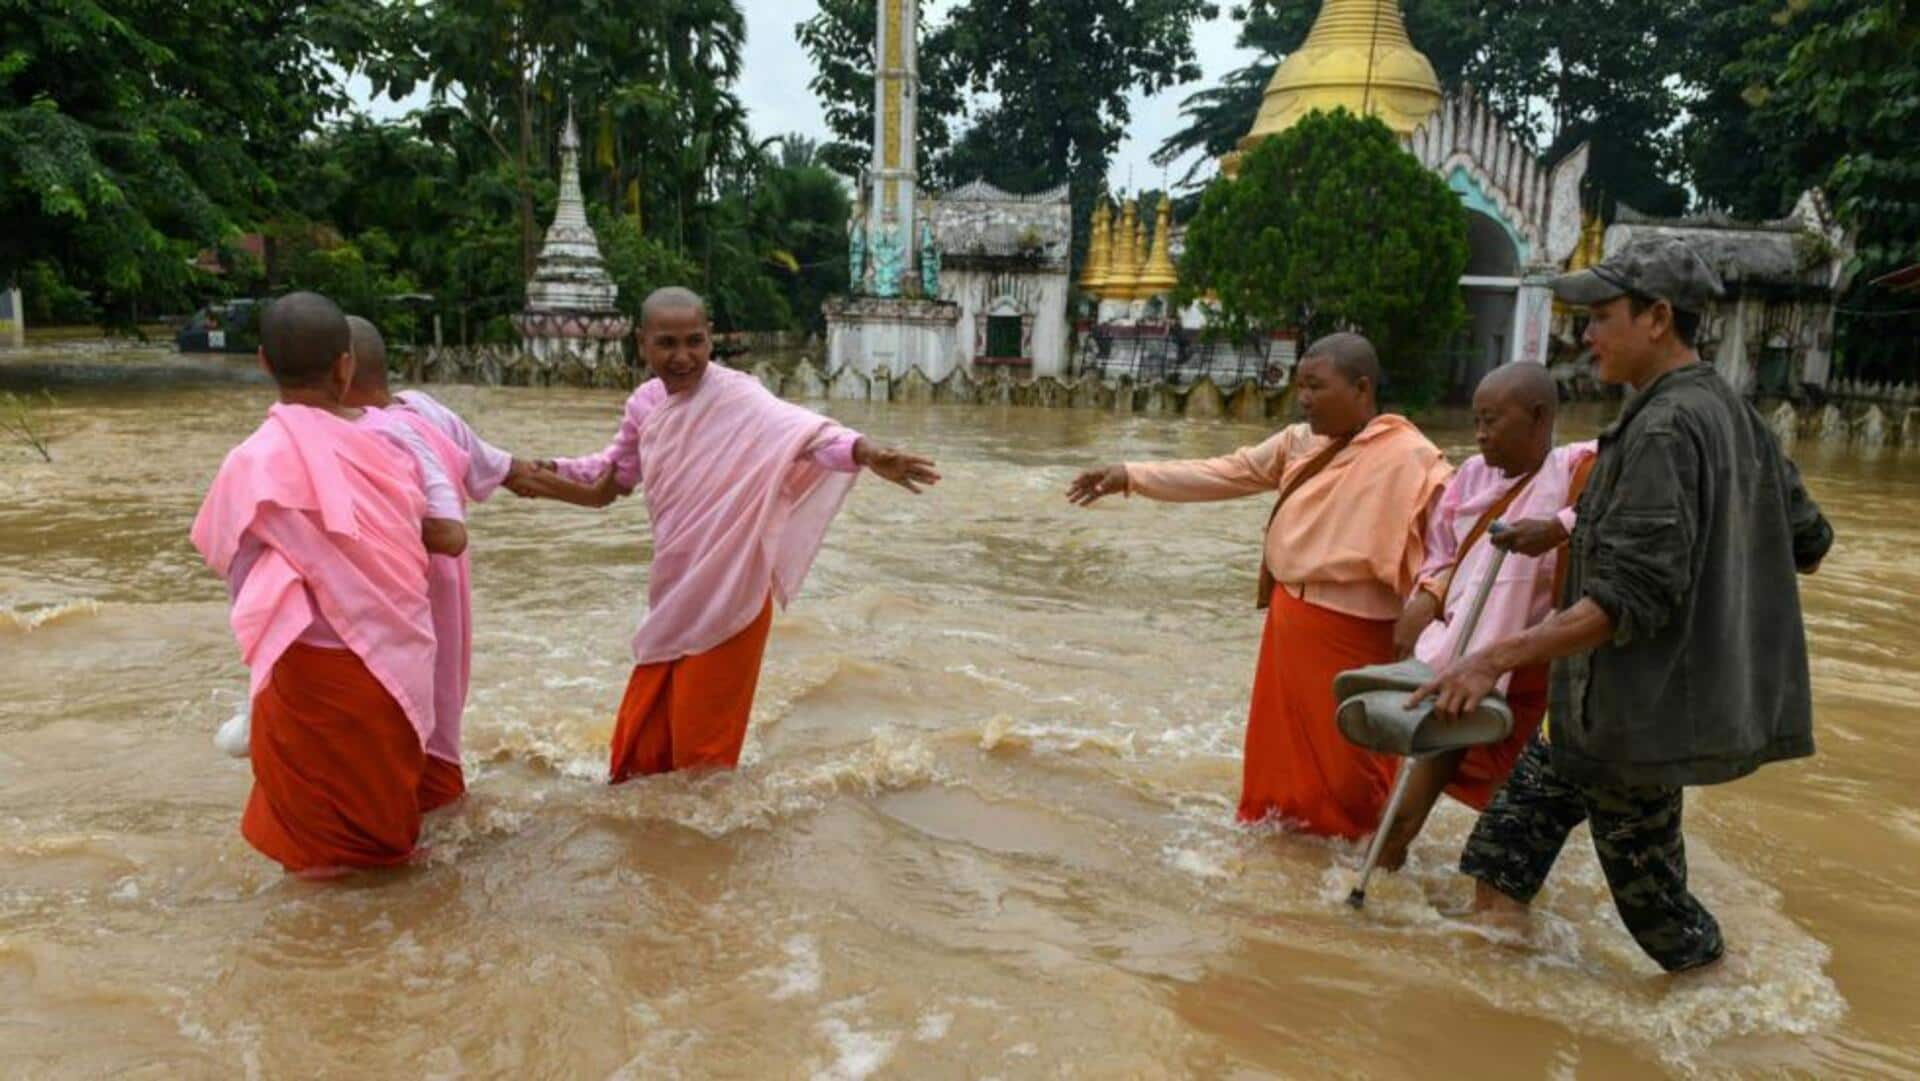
(980, 225)
(1798, 252)
(979, 191)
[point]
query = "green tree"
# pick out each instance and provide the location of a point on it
(1741, 148)
(800, 211)
(1854, 85)
(840, 40)
(131, 136)
(637, 263)
(1332, 226)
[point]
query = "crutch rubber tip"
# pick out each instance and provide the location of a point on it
(1357, 899)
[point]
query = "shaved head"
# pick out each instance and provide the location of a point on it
(671, 298)
(1351, 354)
(301, 335)
(1525, 384)
(1513, 410)
(369, 355)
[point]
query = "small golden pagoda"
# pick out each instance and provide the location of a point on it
(1125, 269)
(1358, 56)
(1094, 276)
(1157, 276)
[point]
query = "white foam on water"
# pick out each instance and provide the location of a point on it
(28, 620)
(1003, 732)
(1575, 960)
(573, 748)
(1200, 864)
(802, 973)
(1199, 741)
(449, 834)
(933, 1027)
(721, 803)
(857, 1054)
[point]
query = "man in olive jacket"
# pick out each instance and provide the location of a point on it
(1679, 653)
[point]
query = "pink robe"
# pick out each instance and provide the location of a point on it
(337, 509)
(450, 592)
(739, 498)
(1523, 594)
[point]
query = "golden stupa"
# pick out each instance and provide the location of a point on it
(1157, 276)
(1358, 56)
(1093, 277)
(1124, 271)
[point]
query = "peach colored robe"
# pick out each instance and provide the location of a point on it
(1344, 550)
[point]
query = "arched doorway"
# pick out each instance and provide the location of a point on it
(1489, 287)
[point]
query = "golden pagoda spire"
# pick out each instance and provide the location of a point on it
(1126, 254)
(1093, 277)
(1357, 55)
(1157, 276)
(1135, 250)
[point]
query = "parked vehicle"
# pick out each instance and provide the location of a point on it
(229, 327)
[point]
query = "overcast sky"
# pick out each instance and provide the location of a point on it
(773, 85)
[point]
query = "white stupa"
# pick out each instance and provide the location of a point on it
(570, 299)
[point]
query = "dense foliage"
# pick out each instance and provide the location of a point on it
(1331, 226)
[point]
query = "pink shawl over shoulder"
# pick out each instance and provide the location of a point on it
(337, 508)
(739, 509)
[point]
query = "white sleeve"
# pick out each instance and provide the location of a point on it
(443, 499)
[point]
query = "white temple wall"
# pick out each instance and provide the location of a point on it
(1039, 298)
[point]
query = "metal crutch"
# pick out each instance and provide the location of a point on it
(1358, 898)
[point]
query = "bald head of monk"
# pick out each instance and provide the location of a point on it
(1513, 412)
(1338, 384)
(369, 365)
(675, 337)
(306, 346)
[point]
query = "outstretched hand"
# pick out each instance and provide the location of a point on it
(1088, 487)
(909, 471)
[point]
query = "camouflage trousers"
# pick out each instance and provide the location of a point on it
(1636, 834)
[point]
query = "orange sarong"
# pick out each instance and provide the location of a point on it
(692, 711)
(1298, 768)
(1484, 769)
(441, 782)
(336, 766)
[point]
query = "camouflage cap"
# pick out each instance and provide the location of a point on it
(1653, 267)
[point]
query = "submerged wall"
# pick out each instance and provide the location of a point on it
(507, 366)
(1865, 416)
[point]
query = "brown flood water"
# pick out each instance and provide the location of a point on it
(983, 827)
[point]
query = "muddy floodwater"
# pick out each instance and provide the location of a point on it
(983, 827)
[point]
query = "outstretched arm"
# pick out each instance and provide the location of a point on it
(1247, 471)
